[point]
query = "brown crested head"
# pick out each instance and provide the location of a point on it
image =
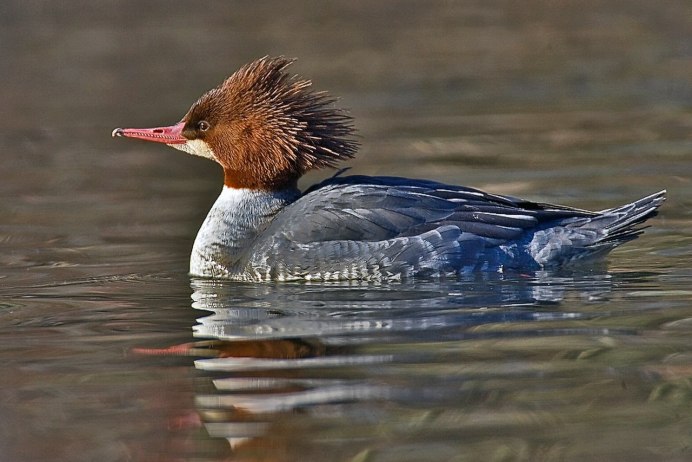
(267, 128)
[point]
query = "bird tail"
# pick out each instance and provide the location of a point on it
(584, 238)
(619, 223)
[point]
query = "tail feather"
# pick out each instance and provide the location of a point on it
(587, 237)
(619, 222)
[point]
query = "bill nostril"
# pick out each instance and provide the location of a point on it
(158, 130)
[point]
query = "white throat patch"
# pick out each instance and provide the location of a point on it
(196, 148)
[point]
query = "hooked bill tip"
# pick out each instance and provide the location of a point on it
(117, 132)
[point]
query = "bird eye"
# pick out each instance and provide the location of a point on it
(203, 125)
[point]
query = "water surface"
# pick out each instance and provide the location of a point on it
(112, 353)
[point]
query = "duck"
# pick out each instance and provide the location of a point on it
(266, 128)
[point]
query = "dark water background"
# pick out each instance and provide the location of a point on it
(109, 352)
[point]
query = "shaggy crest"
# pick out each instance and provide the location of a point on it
(267, 128)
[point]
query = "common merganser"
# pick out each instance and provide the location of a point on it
(267, 128)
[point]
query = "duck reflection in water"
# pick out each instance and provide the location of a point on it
(275, 352)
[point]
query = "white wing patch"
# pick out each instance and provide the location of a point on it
(526, 218)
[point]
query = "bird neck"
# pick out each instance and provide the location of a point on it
(237, 217)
